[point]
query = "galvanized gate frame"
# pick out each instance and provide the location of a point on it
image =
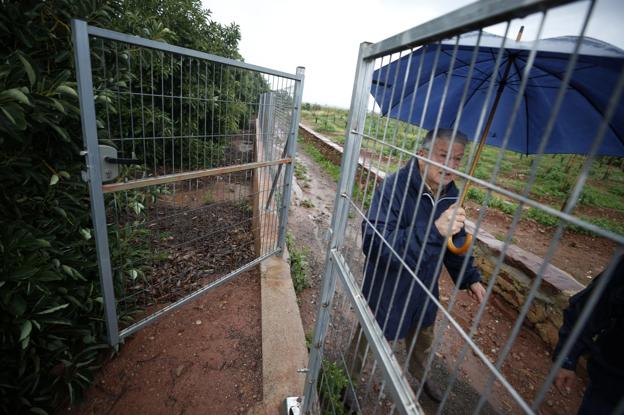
(471, 17)
(93, 174)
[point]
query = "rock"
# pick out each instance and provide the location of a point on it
(198, 322)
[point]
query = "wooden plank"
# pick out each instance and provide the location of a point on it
(177, 177)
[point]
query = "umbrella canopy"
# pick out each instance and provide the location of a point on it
(598, 67)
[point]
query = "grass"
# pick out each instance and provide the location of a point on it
(298, 265)
(301, 173)
(328, 166)
(307, 203)
(479, 195)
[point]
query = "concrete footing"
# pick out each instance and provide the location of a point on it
(284, 352)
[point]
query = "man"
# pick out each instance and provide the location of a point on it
(395, 298)
(602, 337)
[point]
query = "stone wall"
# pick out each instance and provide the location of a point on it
(517, 274)
(518, 270)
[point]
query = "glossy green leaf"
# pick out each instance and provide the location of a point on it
(67, 90)
(53, 309)
(14, 94)
(28, 68)
(25, 330)
(23, 272)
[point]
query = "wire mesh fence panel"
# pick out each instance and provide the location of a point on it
(458, 214)
(190, 163)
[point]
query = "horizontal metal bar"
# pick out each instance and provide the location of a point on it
(178, 177)
(397, 383)
(181, 97)
(166, 47)
(471, 17)
(148, 320)
(497, 189)
(190, 136)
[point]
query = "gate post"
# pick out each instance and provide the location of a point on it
(82, 55)
(291, 151)
(348, 169)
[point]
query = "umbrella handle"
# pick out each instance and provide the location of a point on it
(462, 249)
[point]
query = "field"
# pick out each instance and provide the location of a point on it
(601, 201)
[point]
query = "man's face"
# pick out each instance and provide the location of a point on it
(439, 153)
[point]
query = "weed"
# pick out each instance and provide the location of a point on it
(301, 172)
(475, 194)
(165, 235)
(245, 207)
(596, 197)
(542, 217)
(364, 197)
(298, 265)
(332, 383)
(307, 203)
(502, 205)
(208, 198)
(308, 340)
(608, 224)
(478, 195)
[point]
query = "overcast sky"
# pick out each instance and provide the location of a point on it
(324, 35)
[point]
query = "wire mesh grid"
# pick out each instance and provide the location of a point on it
(389, 269)
(194, 152)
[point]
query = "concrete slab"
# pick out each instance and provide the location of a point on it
(283, 341)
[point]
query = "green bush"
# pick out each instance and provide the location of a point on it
(51, 307)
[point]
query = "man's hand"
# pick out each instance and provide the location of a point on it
(564, 381)
(444, 221)
(477, 291)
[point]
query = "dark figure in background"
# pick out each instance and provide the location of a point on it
(394, 222)
(602, 337)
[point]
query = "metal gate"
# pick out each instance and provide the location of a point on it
(356, 364)
(189, 164)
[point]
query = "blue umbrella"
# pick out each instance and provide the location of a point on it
(598, 67)
(586, 100)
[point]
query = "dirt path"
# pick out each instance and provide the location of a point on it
(529, 359)
(204, 358)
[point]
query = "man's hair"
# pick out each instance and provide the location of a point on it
(445, 134)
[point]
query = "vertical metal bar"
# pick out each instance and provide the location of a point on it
(359, 100)
(89, 133)
(291, 152)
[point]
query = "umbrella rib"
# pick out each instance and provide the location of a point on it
(464, 64)
(578, 88)
(472, 93)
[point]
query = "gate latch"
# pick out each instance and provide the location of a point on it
(109, 162)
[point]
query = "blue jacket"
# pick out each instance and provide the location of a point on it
(379, 285)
